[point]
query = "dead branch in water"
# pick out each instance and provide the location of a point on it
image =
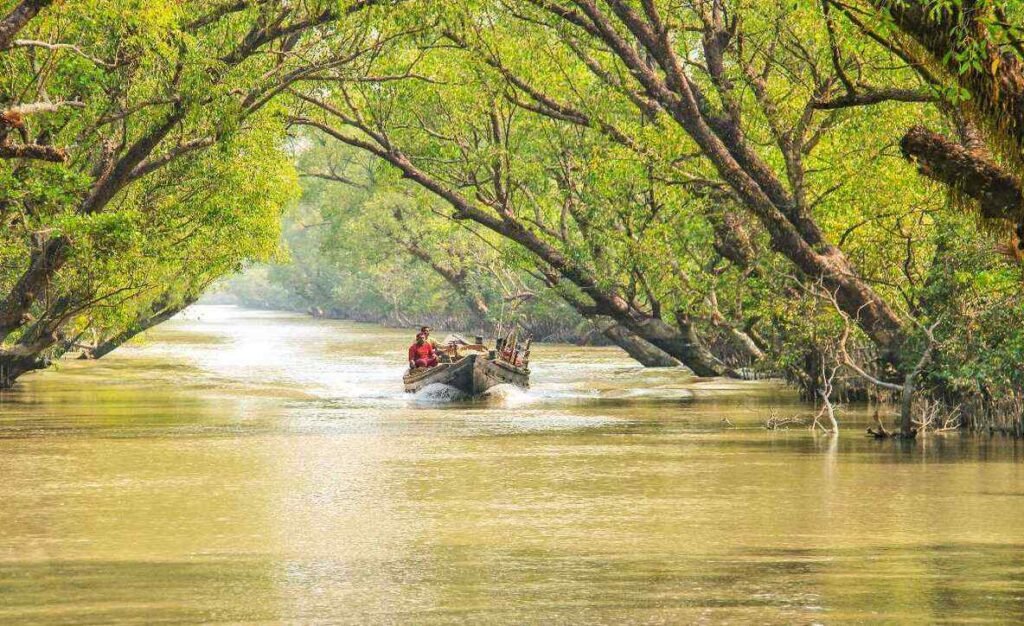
(827, 408)
(774, 422)
(933, 418)
(906, 389)
(881, 433)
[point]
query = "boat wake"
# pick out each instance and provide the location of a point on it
(503, 395)
(438, 393)
(508, 395)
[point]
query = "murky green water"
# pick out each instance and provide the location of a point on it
(255, 467)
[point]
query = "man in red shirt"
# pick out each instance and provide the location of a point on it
(422, 353)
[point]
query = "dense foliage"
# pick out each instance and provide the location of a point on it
(141, 157)
(363, 246)
(824, 190)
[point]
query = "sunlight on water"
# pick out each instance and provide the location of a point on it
(242, 466)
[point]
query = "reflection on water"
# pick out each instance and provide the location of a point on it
(243, 466)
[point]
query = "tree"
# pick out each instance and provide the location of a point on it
(128, 94)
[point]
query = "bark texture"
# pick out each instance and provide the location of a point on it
(16, 20)
(997, 191)
(641, 350)
(14, 365)
(997, 89)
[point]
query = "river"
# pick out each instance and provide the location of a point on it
(246, 466)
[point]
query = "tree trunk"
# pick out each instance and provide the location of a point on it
(906, 408)
(684, 348)
(642, 351)
(688, 342)
(745, 343)
(732, 240)
(947, 33)
(18, 18)
(966, 171)
(12, 366)
(25, 356)
(44, 261)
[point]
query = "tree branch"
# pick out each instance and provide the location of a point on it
(18, 18)
(947, 162)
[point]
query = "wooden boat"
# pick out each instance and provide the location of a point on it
(472, 374)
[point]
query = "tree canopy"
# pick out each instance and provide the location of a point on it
(824, 190)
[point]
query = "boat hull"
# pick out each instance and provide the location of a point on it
(473, 375)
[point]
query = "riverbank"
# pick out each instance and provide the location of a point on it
(254, 466)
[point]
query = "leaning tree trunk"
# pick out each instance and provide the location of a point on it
(686, 347)
(997, 191)
(642, 351)
(13, 366)
(951, 33)
(637, 332)
(652, 329)
(699, 352)
(28, 355)
(158, 314)
(996, 86)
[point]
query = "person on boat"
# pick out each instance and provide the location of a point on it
(422, 353)
(425, 331)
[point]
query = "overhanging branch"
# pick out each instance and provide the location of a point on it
(970, 173)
